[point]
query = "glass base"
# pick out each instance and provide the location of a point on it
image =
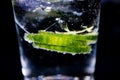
(60, 77)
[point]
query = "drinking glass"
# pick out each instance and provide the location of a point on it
(57, 38)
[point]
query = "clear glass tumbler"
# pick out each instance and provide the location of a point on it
(57, 38)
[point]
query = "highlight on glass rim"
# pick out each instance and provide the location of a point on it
(57, 35)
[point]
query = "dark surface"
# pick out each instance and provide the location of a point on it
(108, 44)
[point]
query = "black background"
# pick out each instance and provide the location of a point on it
(10, 68)
(108, 59)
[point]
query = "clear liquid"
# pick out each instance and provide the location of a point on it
(55, 16)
